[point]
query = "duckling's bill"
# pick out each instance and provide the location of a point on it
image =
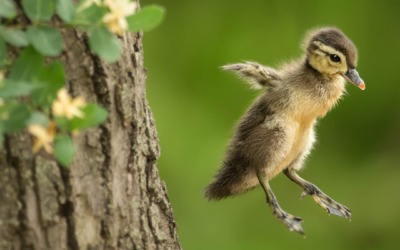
(353, 77)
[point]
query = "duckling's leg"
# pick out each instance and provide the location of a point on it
(290, 221)
(331, 206)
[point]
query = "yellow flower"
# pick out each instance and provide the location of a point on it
(66, 106)
(119, 9)
(87, 4)
(44, 136)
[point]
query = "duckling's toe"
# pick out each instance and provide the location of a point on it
(324, 201)
(290, 221)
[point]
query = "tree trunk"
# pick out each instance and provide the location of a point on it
(111, 196)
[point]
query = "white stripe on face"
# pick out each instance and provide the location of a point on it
(330, 50)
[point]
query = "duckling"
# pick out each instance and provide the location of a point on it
(277, 132)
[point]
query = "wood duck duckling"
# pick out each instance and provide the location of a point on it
(277, 132)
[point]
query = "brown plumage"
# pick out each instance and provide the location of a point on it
(277, 132)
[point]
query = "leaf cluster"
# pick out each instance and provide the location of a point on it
(30, 87)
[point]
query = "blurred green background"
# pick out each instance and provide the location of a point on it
(356, 160)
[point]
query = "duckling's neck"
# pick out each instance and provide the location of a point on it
(317, 76)
(327, 83)
(321, 91)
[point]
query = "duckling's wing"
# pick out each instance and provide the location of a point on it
(256, 75)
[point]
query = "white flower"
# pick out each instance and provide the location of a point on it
(66, 106)
(44, 137)
(87, 4)
(119, 9)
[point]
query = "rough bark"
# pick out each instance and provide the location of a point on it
(111, 196)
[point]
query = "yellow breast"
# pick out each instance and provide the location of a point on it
(300, 134)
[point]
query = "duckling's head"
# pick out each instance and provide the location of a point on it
(330, 52)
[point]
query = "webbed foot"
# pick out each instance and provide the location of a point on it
(290, 221)
(324, 201)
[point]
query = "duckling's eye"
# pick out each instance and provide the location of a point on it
(335, 58)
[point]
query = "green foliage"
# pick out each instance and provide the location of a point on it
(93, 15)
(13, 115)
(105, 44)
(46, 40)
(1, 134)
(38, 10)
(14, 88)
(27, 65)
(146, 19)
(64, 150)
(51, 79)
(66, 10)
(94, 115)
(30, 91)
(3, 51)
(7, 9)
(37, 118)
(14, 37)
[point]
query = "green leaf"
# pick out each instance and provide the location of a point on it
(14, 37)
(38, 9)
(3, 52)
(37, 118)
(7, 9)
(1, 134)
(90, 15)
(146, 19)
(66, 10)
(94, 115)
(14, 115)
(62, 122)
(52, 79)
(64, 150)
(15, 88)
(105, 44)
(27, 66)
(46, 40)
